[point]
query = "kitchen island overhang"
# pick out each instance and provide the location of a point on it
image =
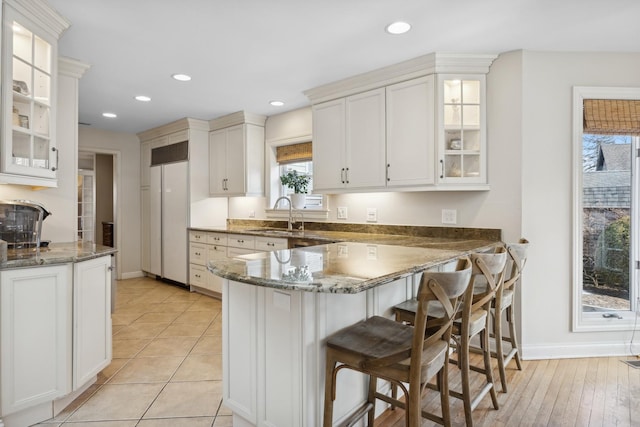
(279, 307)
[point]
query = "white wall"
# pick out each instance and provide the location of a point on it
(126, 150)
(547, 216)
(62, 201)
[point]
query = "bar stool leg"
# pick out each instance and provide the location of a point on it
(497, 332)
(514, 338)
(484, 338)
(329, 389)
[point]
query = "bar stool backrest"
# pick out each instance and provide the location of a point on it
(518, 258)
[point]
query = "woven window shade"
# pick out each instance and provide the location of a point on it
(611, 117)
(294, 153)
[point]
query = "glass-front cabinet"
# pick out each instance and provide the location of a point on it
(29, 59)
(462, 130)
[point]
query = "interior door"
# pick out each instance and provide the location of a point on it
(174, 221)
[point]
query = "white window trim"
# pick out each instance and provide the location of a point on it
(272, 191)
(594, 322)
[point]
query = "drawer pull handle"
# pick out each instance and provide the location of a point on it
(270, 244)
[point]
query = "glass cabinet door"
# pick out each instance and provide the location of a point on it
(462, 145)
(28, 145)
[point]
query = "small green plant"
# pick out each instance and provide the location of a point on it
(298, 183)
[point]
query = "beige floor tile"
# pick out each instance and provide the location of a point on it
(165, 307)
(128, 348)
(184, 330)
(141, 330)
(127, 423)
(223, 421)
(208, 344)
(194, 399)
(147, 370)
(79, 401)
(111, 370)
(140, 306)
(124, 319)
(170, 346)
(196, 317)
(199, 367)
(156, 317)
(118, 402)
(185, 297)
(207, 304)
(224, 411)
(177, 422)
(215, 328)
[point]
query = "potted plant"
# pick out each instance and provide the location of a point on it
(299, 184)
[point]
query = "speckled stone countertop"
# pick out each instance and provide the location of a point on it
(55, 253)
(346, 267)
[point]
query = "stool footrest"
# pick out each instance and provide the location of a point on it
(359, 413)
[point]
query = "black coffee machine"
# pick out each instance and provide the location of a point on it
(21, 223)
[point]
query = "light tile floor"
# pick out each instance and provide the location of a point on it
(167, 363)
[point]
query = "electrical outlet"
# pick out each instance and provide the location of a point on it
(372, 215)
(342, 212)
(252, 214)
(449, 216)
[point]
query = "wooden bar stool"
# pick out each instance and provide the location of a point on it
(504, 302)
(402, 354)
(472, 320)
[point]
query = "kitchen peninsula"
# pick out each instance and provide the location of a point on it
(279, 307)
(55, 327)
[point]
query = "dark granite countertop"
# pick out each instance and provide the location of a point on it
(55, 253)
(346, 267)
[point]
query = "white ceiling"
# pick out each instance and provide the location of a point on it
(244, 53)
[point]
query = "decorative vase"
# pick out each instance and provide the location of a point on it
(298, 200)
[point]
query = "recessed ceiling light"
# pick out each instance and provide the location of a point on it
(181, 77)
(110, 115)
(276, 103)
(142, 98)
(398, 27)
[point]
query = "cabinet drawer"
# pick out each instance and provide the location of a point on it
(217, 252)
(198, 253)
(197, 275)
(270, 244)
(233, 252)
(198, 236)
(217, 239)
(241, 241)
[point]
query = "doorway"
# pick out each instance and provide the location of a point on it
(96, 200)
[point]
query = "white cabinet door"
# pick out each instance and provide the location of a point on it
(365, 140)
(145, 225)
(214, 282)
(35, 336)
(175, 220)
(328, 145)
(217, 162)
(91, 319)
(155, 221)
(235, 160)
(411, 133)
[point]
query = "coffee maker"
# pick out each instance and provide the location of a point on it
(21, 223)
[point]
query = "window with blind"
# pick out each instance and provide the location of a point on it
(606, 196)
(298, 157)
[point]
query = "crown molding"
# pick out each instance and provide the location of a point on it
(42, 14)
(237, 118)
(72, 67)
(433, 63)
(173, 127)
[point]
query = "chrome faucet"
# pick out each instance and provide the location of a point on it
(275, 206)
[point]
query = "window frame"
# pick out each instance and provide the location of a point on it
(594, 321)
(273, 185)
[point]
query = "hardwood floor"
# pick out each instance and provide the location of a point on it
(565, 392)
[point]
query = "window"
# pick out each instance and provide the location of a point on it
(606, 195)
(313, 201)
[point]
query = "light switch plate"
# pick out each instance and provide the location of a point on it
(372, 215)
(449, 216)
(342, 212)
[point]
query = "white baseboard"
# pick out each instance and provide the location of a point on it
(570, 351)
(132, 275)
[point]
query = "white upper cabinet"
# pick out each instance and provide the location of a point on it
(29, 68)
(462, 129)
(410, 133)
(236, 155)
(416, 125)
(349, 142)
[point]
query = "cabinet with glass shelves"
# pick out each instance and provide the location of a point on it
(29, 61)
(462, 130)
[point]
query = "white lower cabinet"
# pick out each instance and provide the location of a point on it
(55, 335)
(35, 338)
(208, 246)
(91, 319)
(274, 351)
